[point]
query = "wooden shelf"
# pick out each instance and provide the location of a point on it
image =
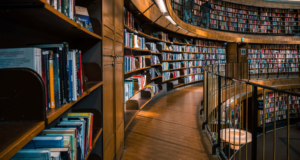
(52, 114)
(136, 49)
(138, 70)
(156, 78)
(179, 85)
(182, 68)
(95, 139)
(155, 65)
(15, 135)
(50, 20)
(144, 101)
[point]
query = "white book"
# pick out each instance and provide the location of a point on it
(22, 58)
(74, 75)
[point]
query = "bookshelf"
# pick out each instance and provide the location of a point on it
(232, 17)
(178, 59)
(38, 24)
(282, 102)
(273, 59)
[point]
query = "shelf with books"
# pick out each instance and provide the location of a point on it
(30, 17)
(54, 113)
(95, 139)
(156, 78)
(139, 69)
(136, 49)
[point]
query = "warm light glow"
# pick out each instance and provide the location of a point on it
(161, 5)
(171, 20)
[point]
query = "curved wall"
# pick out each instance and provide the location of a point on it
(148, 9)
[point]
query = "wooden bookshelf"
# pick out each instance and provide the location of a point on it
(226, 13)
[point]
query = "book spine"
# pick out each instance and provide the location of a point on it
(37, 61)
(67, 83)
(80, 73)
(44, 71)
(61, 77)
(47, 79)
(51, 81)
(70, 77)
(55, 77)
(91, 131)
(58, 80)
(74, 75)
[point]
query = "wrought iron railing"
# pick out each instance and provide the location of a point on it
(241, 114)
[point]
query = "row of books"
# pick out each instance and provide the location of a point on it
(175, 65)
(207, 43)
(152, 47)
(271, 65)
(128, 18)
(274, 46)
(59, 67)
(140, 80)
(189, 71)
(153, 89)
(273, 60)
(171, 56)
(169, 75)
(273, 51)
(154, 72)
(132, 63)
(273, 56)
(193, 78)
(134, 41)
(70, 139)
(155, 60)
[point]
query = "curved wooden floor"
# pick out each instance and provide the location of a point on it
(167, 128)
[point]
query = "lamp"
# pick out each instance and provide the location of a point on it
(161, 5)
(171, 20)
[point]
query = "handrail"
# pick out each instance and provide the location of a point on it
(253, 84)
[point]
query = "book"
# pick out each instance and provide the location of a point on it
(71, 132)
(80, 133)
(89, 126)
(32, 154)
(56, 79)
(51, 81)
(82, 18)
(45, 142)
(22, 58)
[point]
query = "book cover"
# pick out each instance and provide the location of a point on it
(80, 133)
(90, 124)
(45, 142)
(51, 81)
(45, 74)
(82, 18)
(71, 132)
(69, 68)
(74, 74)
(56, 79)
(32, 154)
(22, 58)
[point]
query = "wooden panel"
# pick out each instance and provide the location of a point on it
(162, 21)
(109, 152)
(120, 135)
(191, 34)
(172, 27)
(119, 38)
(260, 3)
(153, 13)
(181, 31)
(119, 50)
(142, 5)
(107, 44)
(119, 7)
(119, 93)
(107, 32)
(108, 115)
(231, 52)
(108, 13)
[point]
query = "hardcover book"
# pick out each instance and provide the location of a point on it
(82, 18)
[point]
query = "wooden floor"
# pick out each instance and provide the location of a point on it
(167, 129)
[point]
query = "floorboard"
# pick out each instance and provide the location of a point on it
(167, 129)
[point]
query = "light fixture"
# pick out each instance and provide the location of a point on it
(170, 19)
(237, 137)
(161, 5)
